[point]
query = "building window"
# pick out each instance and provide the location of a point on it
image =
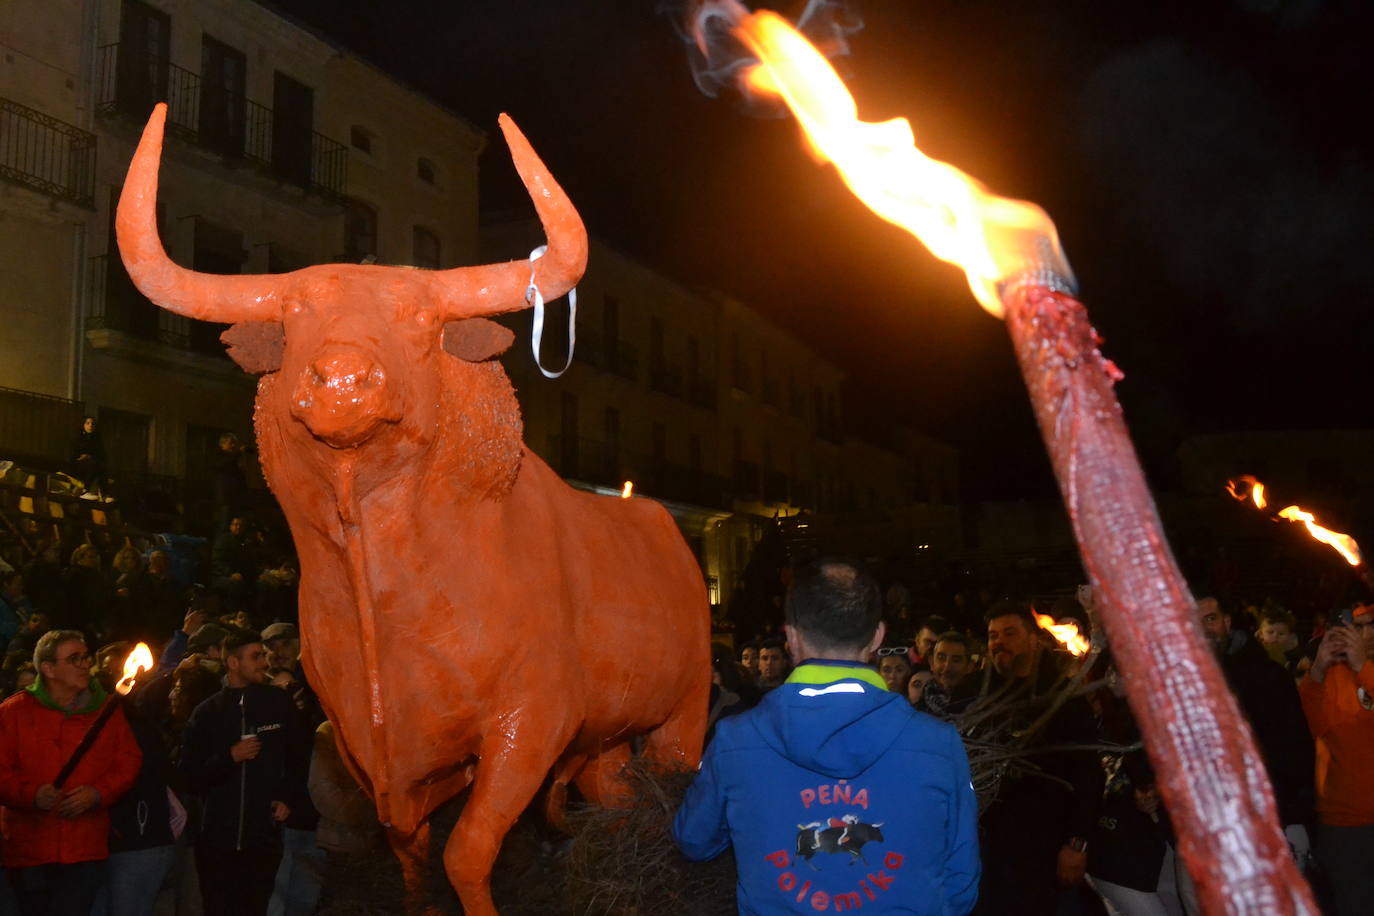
(612, 444)
(293, 129)
(218, 250)
(568, 436)
(425, 171)
(142, 65)
(360, 232)
(610, 322)
(223, 76)
(360, 138)
(426, 245)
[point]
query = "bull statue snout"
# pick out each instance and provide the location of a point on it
(343, 398)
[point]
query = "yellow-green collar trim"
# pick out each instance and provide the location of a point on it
(823, 673)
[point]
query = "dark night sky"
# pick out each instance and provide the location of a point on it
(1210, 166)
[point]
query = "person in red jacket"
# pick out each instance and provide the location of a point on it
(55, 838)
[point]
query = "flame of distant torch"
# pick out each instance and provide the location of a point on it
(1212, 778)
(1066, 634)
(628, 490)
(139, 660)
(1246, 487)
(1343, 544)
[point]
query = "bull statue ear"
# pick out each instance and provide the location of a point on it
(256, 345)
(477, 339)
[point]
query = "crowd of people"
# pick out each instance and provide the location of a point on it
(213, 785)
(1082, 830)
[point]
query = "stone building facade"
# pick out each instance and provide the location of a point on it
(282, 151)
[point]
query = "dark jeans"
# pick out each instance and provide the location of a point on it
(57, 890)
(1347, 854)
(236, 883)
(1020, 851)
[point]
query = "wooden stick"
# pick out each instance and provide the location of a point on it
(1210, 774)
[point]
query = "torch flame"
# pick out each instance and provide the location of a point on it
(1343, 544)
(1066, 633)
(1256, 490)
(139, 660)
(992, 238)
(629, 490)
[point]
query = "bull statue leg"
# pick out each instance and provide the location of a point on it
(676, 744)
(512, 765)
(413, 852)
(602, 780)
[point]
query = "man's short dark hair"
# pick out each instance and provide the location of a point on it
(1009, 607)
(834, 603)
(239, 639)
(773, 642)
(936, 623)
(956, 636)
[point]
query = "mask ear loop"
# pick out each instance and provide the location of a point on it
(536, 299)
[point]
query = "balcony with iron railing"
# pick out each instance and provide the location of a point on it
(747, 480)
(771, 394)
(38, 427)
(616, 357)
(775, 487)
(666, 379)
(117, 305)
(222, 120)
(701, 392)
(50, 156)
(741, 378)
(603, 463)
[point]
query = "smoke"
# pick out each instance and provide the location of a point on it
(718, 58)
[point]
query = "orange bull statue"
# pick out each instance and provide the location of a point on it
(468, 618)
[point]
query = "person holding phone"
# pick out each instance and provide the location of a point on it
(1338, 698)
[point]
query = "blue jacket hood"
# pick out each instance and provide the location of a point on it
(834, 736)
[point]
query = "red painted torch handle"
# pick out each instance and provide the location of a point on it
(1210, 774)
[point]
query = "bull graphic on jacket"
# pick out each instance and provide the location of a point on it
(836, 795)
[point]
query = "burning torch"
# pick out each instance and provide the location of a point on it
(1210, 773)
(1248, 489)
(138, 661)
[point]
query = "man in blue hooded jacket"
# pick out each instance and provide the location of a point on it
(834, 792)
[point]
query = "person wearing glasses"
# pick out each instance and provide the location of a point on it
(833, 792)
(56, 836)
(894, 667)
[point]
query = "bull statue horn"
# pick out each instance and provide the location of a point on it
(468, 292)
(209, 297)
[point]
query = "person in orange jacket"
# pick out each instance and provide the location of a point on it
(56, 837)
(1338, 698)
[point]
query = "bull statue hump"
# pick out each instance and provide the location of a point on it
(469, 620)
